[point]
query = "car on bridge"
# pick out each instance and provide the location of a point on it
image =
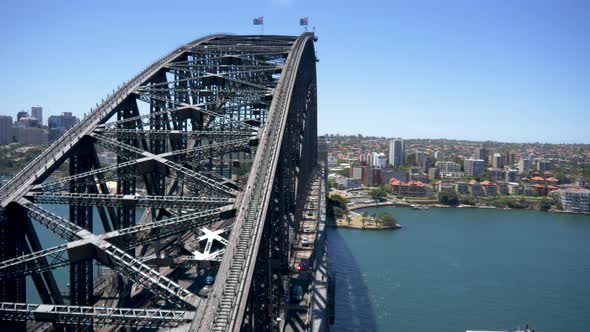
(297, 293)
(300, 266)
(305, 241)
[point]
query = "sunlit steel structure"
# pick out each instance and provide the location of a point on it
(221, 132)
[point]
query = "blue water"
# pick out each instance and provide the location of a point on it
(459, 269)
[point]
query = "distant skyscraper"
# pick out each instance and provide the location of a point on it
(438, 155)
(497, 160)
(419, 158)
(21, 114)
(378, 160)
(396, 152)
(474, 167)
(524, 165)
(37, 113)
(481, 153)
(5, 129)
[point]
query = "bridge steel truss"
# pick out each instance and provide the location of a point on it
(222, 130)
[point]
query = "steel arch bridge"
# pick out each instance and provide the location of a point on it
(221, 132)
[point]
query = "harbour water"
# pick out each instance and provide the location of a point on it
(464, 269)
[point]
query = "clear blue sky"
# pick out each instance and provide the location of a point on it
(482, 70)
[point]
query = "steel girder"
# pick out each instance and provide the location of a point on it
(226, 307)
(216, 108)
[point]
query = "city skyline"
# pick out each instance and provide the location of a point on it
(487, 71)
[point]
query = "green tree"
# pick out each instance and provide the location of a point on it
(339, 212)
(386, 219)
(545, 204)
(344, 172)
(377, 194)
(448, 197)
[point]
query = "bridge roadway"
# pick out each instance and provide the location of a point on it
(219, 89)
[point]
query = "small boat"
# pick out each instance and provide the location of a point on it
(420, 207)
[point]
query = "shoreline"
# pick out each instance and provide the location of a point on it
(369, 227)
(460, 206)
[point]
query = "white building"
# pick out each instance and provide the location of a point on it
(447, 166)
(396, 152)
(379, 160)
(575, 199)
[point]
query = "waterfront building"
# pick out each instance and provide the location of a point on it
(575, 199)
(502, 187)
(444, 186)
(411, 188)
(433, 173)
(438, 155)
(5, 129)
(524, 166)
(448, 166)
(37, 113)
(497, 161)
(475, 188)
(461, 188)
(389, 174)
(396, 152)
(474, 167)
(513, 188)
(488, 188)
(527, 189)
(539, 189)
(511, 175)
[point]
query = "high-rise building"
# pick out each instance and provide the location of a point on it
(509, 158)
(524, 166)
(419, 158)
(5, 129)
(37, 113)
(497, 161)
(481, 153)
(474, 167)
(396, 152)
(543, 165)
(433, 173)
(22, 114)
(438, 155)
(32, 136)
(379, 160)
(59, 124)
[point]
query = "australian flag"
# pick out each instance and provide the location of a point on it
(304, 21)
(259, 20)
